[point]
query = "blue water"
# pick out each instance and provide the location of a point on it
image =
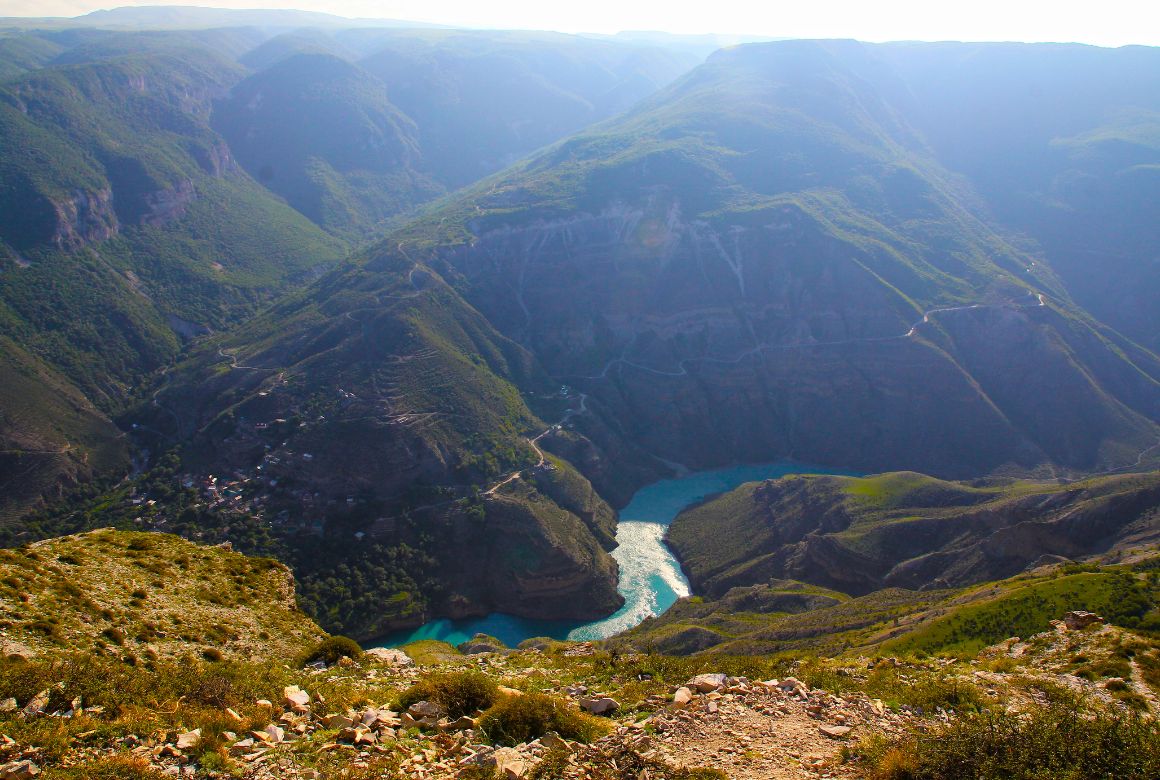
(651, 580)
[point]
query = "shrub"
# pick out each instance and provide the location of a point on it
(460, 693)
(516, 719)
(1058, 742)
(211, 654)
(331, 649)
(116, 768)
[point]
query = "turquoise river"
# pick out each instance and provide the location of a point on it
(651, 580)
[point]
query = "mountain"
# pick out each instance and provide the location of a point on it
(320, 131)
(1078, 129)
(165, 189)
(125, 227)
(904, 530)
(170, 17)
(355, 127)
(766, 259)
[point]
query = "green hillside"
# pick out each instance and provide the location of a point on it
(904, 529)
(784, 617)
(126, 228)
(767, 258)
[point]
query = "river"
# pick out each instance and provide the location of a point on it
(651, 580)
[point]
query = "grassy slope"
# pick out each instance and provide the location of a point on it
(147, 595)
(49, 433)
(903, 528)
(955, 622)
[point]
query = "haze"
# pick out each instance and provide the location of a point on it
(1111, 23)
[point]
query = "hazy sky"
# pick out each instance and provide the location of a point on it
(1103, 22)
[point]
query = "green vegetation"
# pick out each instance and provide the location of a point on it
(1023, 607)
(144, 596)
(516, 719)
(784, 617)
(898, 529)
(332, 649)
(459, 693)
(1058, 741)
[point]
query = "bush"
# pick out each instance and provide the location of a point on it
(516, 719)
(1058, 742)
(117, 768)
(460, 693)
(331, 649)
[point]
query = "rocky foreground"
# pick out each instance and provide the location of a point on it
(558, 710)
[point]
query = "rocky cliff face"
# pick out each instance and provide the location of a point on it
(84, 217)
(709, 343)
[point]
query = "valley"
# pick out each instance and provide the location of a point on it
(584, 365)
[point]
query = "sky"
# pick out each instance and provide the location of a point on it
(1100, 22)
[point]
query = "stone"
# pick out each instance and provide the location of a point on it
(506, 691)
(36, 705)
(835, 732)
(425, 709)
(1079, 620)
(705, 683)
(461, 724)
(273, 734)
(8, 705)
(508, 763)
(242, 746)
(296, 698)
(389, 656)
(682, 697)
(600, 705)
(338, 722)
(358, 735)
(189, 739)
(19, 770)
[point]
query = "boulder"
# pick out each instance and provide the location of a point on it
(509, 763)
(338, 722)
(482, 643)
(390, 656)
(296, 698)
(1078, 620)
(36, 705)
(242, 746)
(462, 723)
(425, 709)
(705, 683)
(19, 770)
(599, 705)
(682, 697)
(189, 739)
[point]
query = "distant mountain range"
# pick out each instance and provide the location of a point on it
(573, 267)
